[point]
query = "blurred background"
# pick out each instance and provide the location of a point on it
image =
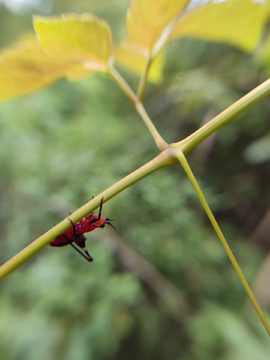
(163, 287)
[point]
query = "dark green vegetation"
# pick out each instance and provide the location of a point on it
(61, 145)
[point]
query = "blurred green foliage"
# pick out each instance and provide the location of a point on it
(61, 145)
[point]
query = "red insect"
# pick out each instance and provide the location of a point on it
(74, 234)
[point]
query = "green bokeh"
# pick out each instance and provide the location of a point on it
(63, 144)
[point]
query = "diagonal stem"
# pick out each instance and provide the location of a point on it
(157, 46)
(224, 117)
(143, 78)
(181, 157)
(164, 159)
(160, 142)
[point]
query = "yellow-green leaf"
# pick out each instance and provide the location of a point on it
(146, 19)
(133, 57)
(72, 46)
(26, 67)
(238, 22)
(78, 71)
(80, 40)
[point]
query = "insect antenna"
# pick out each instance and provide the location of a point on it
(107, 221)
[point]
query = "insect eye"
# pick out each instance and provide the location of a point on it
(102, 226)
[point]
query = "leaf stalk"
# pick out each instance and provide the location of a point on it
(160, 142)
(182, 159)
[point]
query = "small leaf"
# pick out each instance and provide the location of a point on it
(238, 22)
(80, 40)
(133, 57)
(146, 19)
(26, 67)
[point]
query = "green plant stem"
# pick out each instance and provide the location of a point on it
(223, 118)
(158, 45)
(181, 157)
(161, 144)
(166, 32)
(143, 78)
(165, 158)
(121, 82)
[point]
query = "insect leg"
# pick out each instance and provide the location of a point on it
(77, 236)
(82, 246)
(99, 214)
(84, 253)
